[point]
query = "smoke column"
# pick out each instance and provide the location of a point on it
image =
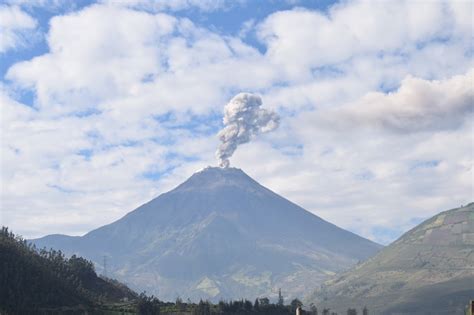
(243, 120)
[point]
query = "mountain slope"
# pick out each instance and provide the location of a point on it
(429, 270)
(220, 234)
(32, 280)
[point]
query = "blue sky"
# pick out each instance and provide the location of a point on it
(106, 105)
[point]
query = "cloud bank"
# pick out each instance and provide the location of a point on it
(418, 105)
(376, 128)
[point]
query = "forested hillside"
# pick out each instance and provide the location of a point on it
(32, 279)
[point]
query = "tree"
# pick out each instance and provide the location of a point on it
(313, 309)
(351, 311)
(148, 305)
(203, 308)
(295, 304)
(365, 311)
(179, 304)
(256, 306)
(264, 302)
(326, 311)
(248, 306)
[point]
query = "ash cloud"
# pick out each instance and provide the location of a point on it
(243, 120)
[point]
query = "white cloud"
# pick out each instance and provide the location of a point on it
(87, 152)
(302, 40)
(16, 27)
(103, 56)
(100, 52)
(418, 105)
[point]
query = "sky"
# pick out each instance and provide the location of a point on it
(106, 105)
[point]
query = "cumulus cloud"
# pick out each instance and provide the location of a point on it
(139, 62)
(243, 120)
(114, 117)
(15, 26)
(417, 105)
(312, 39)
(81, 70)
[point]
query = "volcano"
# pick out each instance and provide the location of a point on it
(219, 235)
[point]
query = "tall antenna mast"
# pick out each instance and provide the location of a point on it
(281, 302)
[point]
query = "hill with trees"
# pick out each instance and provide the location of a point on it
(33, 280)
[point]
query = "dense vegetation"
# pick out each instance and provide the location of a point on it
(44, 281)
(32, 280)
(262, 306)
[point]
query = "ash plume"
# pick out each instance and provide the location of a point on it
(243, 120)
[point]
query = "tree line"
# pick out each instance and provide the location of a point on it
(261, 306)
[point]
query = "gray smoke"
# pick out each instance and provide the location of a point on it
(243, 120)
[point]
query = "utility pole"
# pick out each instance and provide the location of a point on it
(105, 266)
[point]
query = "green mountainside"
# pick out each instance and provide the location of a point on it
(429, 270)
(33, 281)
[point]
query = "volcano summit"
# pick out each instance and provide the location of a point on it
(220, 234)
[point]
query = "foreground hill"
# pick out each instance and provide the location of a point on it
(218, 235)
(34, 281)
(429, 270)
